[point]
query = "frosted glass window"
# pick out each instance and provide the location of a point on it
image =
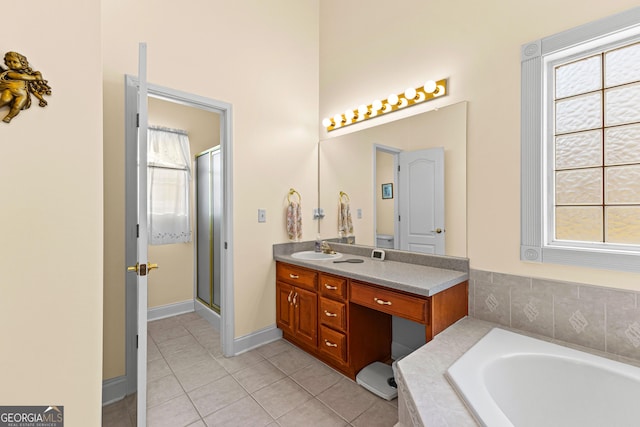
(622, 224)
(622, 105)
(622, 65)
(579, 113)
(579, 187)
(623, 185)
(590, 130)
(582, 223)
(579, 77)
(583, 149)
(622, 145)
(580, 145)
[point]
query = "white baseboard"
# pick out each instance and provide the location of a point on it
(169, 310)
(256, 339)
(209, 315)
(114, 389)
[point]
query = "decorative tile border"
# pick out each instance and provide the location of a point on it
(599, 318)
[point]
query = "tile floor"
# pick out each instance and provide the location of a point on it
(190, 383)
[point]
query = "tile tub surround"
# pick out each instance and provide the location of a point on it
(603, 319)
(425, 397)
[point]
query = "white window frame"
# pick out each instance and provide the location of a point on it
(537, 228)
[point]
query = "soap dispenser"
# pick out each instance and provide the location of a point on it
(318, 247)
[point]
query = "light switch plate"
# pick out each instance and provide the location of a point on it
(262, 215)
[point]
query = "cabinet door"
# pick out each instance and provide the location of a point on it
(306, 314)
(284, 306)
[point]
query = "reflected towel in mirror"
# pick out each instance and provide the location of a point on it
(345, 223)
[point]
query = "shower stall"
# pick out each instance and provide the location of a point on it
(208, 221)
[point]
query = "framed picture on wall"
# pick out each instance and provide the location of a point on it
(387, 191)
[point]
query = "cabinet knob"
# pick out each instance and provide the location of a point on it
(382, 302)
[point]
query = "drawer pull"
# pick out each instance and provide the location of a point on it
(289, 297)
(331, 288)
(294, 276)
(329, 314)
(296, 296)
(329, 343)
(382, 302)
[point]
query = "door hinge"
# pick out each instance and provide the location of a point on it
(136, 341)
(137, 120)
(398, 217)
(398, 168)
(225, 245)
(137, 230)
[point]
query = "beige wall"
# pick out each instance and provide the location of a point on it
(262, 57)
(384, 207)
(51, 216)
(477, 46)
(175, 282)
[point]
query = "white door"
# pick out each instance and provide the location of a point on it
(421, 201)
(142, 266)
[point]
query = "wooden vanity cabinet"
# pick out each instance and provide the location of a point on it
(332, 314)
(297, 304)
(347, 323)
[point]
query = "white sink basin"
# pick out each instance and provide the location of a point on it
(315, 256)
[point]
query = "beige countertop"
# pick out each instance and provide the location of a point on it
(416, 279)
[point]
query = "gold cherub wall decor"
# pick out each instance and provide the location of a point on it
(18, 82)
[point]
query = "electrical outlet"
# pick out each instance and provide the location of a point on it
(359, 213)
(262, 215)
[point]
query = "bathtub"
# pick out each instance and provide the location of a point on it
(507, 379)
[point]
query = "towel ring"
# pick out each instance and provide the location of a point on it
(344, 195)
(291, 193)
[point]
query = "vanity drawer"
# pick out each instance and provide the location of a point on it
(391, 302)
(333, 344)
(333, 313)
(332, 286)
(297, 276)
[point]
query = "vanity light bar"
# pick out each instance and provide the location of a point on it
(431, 90)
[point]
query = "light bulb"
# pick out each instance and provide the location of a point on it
(326, 122)
(376, 105)
(430, 86)
(337, 119)
(393, 99)
(420, 97)
(403, 103)
(410, 93)
(349, 115)
(440, 90)
(363, 110)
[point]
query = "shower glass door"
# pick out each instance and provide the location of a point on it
(209, 217)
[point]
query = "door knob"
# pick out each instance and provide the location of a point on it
(437, 230)
(143, 269)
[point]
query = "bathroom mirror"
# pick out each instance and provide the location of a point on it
(347, 165)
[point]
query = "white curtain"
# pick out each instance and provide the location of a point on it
(168, 179)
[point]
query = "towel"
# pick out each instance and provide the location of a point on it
(294, 221)
(345, 224)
